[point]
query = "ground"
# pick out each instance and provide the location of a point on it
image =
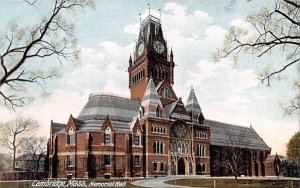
(222, 182)
(189, 181)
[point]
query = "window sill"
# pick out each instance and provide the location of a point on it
(108, 144)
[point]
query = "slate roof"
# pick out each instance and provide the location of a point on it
(57, 127)
(192, 104)
(151, 100)
(101, 105)
(120, 110)
(223, 134)
(170, 107)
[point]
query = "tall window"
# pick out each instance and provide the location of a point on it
(155, 166)
(203, 167)
(137, 160)
(137, 138)
(107, 136)
(157, 111)
(71, 160)
(166, 93)
(107, 160)
(162, 166)
(158, 147)
(201, 134)
(71, 137)
(201, 150)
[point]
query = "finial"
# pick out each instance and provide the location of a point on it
(159, 14)
(149, 8)
(171, 52)
(140, 19)
(192, 88)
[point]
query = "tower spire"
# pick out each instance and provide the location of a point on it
(193, 107)
(171, 55)
(130, 61)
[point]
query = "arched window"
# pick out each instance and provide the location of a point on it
(154, 147)
(183, 148)
(161, 151)
(179, 148)
(157, 111)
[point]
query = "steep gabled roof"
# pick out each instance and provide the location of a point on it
(170, 107)
(192, 104)
(151, 101)
(223, 134)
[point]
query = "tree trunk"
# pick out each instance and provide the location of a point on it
(14, 159)
(235, 178)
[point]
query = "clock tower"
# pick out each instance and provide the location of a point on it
(150, 59)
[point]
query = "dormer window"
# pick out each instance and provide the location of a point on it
(107, 136)
(71, 137)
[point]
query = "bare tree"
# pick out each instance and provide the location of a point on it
(233, 154)
(23, 48)
(36, 148)
(11, 132)
(274, 30)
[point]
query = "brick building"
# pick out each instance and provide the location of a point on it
(151, 134)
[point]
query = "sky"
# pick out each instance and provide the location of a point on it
(227, 91)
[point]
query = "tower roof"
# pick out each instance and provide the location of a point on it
(192, 104)
(150, 29)
(151, 101)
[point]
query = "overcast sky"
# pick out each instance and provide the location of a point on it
(228, 92)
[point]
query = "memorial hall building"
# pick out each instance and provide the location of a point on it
(152, 133)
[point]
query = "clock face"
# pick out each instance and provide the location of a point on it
(140, 48)
(158, 46)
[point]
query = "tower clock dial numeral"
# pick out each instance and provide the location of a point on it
(158, 46)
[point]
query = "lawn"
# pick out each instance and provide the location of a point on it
(241, 183)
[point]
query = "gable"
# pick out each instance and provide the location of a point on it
(107, 123)
(165, 90)
(179, 111)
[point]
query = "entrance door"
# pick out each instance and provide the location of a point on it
(181, 167)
